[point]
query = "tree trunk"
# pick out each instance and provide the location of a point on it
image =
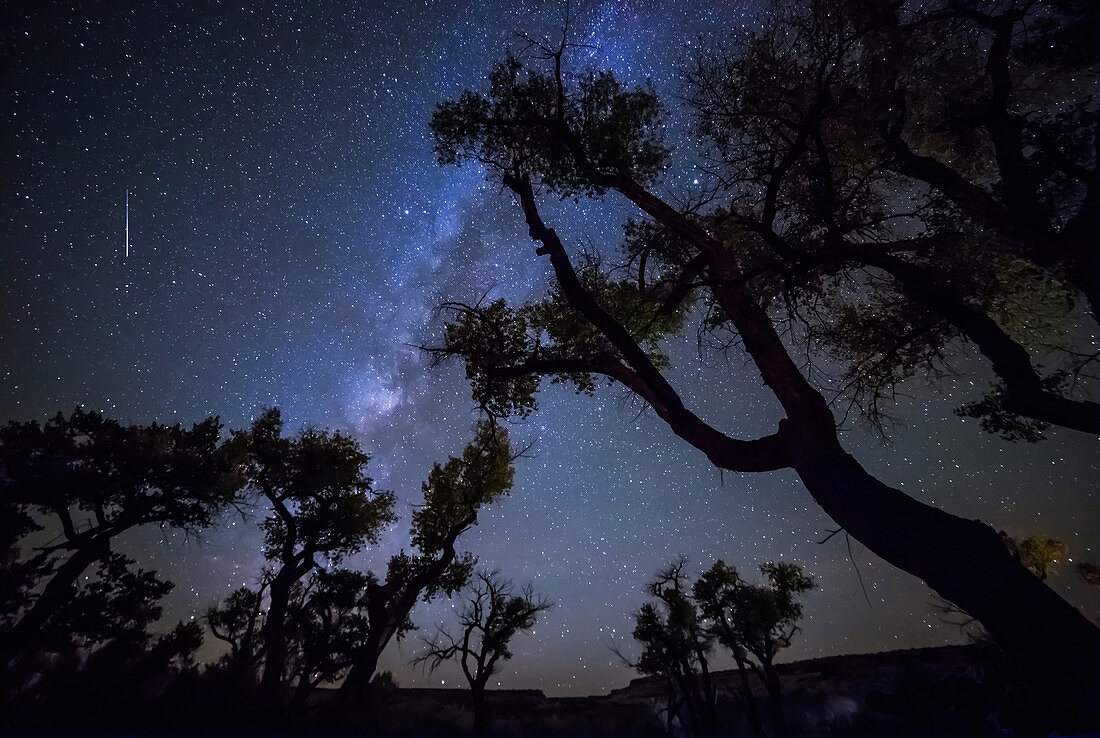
(274, 631)
(387, 611)
(59, 590)
(967, 563)
(775, 699)
(366, 661)
(481, 710)
(302, 691)
(751, 711)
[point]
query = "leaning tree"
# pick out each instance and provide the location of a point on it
(454, 494)
(813, 207)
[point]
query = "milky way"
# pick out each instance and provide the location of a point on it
(290, 236)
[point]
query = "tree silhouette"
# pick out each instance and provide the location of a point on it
(337, 622)
(328, 621)
(754, 622)
(491, 618)
(825, 140)
(454, 493)
(676, 649)
(322, 505)
(87, 479)
(238, 621)
(541, 129)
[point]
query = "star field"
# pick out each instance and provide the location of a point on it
(291, 236)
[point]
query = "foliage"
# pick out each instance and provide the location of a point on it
(751, 619)
(810, 124)
(456, 490)
(680, 626)
(1040, 555)
(238, 621)
(117, 604)
(495, 336)
(327, 621)
(454, 493)
(322, 502)
(88, 479)
(676, 648)
(507, 128)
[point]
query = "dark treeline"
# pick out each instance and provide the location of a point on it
(85, 648)
(78, 617)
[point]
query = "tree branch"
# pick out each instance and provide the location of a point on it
(638, 373)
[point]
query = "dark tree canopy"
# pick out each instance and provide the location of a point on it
(322, 509)
(677, 647)
(679, 627)
(833, 216)
(88, 479)
(309, 620)
(754, 622)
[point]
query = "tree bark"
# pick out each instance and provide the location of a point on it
(388, 607)
(967, 563)
(751, 710)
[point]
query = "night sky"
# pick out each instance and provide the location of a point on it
(290, 238)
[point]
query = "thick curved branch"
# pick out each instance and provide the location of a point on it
(638, 372)
(1024, 389)
(762, 454)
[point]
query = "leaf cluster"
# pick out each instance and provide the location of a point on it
(323, 502)
(117, 476)
(517, 125)
(680, 626)
(498, 341)
(118, 603)
(457, 489)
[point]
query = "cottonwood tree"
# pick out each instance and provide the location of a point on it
(676, 648)
(542, 130)
(322, 505)
(754, 622)
(454, 493)
(876, 163)
(338, 622)
(492, 616)
(326, 622)
(79, 483)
